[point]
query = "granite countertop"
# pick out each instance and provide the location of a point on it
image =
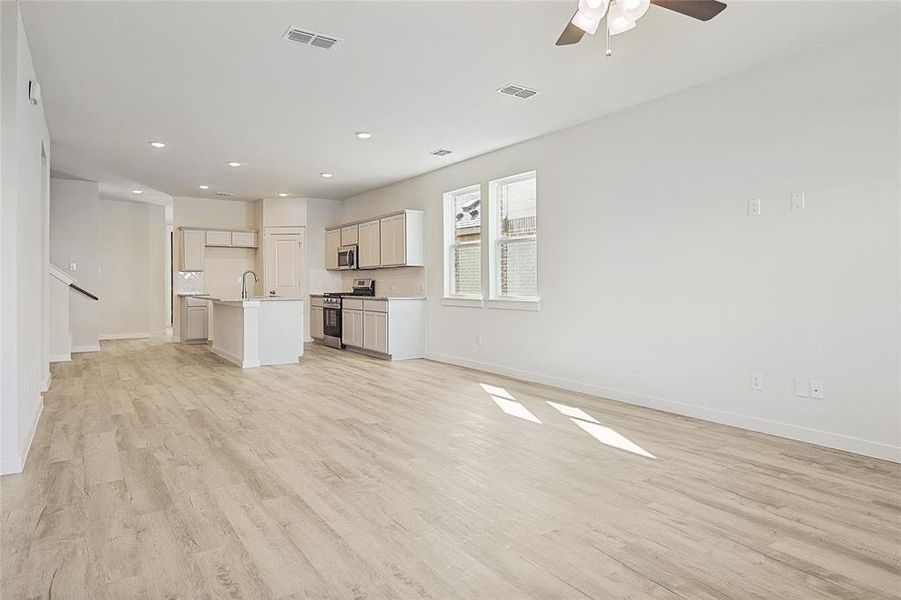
(258, 299)
(375, 297)
(193, 294)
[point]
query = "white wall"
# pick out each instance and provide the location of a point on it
(23, 246)
(658, 289)
(75, 237)
(133, 272)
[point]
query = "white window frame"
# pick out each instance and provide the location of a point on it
(451, 299)
(494, 299)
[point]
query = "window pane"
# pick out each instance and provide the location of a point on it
(468, 217)
(516, 209)
(463, 237)
(467, 269)
(518, 267)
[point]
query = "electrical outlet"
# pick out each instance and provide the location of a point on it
(816, 389)
(801, 387)
(756, 381)
(754, 207)
(798, 202)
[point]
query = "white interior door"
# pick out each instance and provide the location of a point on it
(283, 264)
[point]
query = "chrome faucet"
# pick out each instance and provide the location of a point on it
(244, 282)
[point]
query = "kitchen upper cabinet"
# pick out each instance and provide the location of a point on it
(370, 245)
(193, 243)
(350, 235)
(392, 240)
(244, 239)
(375, 331)
(401, 239)
(316, 329)
(352, 328)
(218, 238)
(332, 243)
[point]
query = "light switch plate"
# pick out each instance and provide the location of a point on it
(801, 388)
(73, 266)
(798, 202)
(754, 207)
(816, 389)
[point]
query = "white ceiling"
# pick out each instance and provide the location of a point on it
(216, 82)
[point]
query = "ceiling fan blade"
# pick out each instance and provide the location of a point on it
(699, 9)
(570, 35)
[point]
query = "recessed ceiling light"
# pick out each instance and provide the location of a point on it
(234, 163)
(283, 194)
(363, 135)
(137, 191)
(326, 175)
(204, 187)
(158, 144)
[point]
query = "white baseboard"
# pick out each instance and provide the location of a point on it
(16, 464)
(54, 358)
(244, 364)
(124, 336)
(86, 348)
(786, 430)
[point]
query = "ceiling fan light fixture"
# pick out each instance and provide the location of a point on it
(633, 9)
(589, 15)
(617, 21)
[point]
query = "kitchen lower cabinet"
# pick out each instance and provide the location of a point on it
(194, 316)
(375, 331)
(352, 328)
(316, 330)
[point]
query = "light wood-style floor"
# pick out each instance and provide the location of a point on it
(160, 471)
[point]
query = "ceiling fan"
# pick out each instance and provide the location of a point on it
(623, 14)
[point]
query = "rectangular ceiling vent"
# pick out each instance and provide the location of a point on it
(224, 194)
(517, 91)
(440, 152)
(310, 38)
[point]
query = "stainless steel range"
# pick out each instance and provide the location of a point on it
(331, 310)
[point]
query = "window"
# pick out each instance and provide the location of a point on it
(513, 237)
(463, 243)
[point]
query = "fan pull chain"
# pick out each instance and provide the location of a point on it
(609, 48)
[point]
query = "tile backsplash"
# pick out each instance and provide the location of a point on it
(188, 282)
(403, 281)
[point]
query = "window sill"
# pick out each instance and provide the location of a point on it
(462, 301)
(513, 304)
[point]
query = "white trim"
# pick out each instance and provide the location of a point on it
(45, 384)
(16, 464)
(124, 336)
(55, 271)
(799, 433)
(86, 348)
(462, 301)
(513, 304)
(244, 364)
(55, 358)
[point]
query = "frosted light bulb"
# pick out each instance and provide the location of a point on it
(588, 18)
(617, 21)
(633, 9)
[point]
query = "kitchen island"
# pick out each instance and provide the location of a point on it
(253, 332)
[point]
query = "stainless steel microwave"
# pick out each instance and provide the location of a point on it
(347, 257)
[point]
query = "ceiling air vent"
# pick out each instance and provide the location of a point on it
(517, 91)
(440, 152)
(224, 194)
(310, 38)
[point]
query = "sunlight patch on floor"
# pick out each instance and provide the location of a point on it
(572, 411)
(500, 392)
(515, 409)
(610, 437)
